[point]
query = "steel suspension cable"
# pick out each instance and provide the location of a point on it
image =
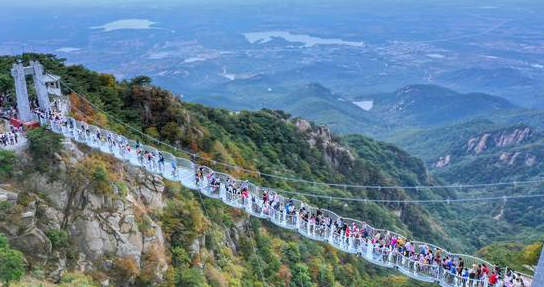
(365, 200)
(292, 179)
(383, 201)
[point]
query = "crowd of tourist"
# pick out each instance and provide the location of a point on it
(10, 138)
(152, 160)
(378, 245)
(11, 135)
(7, 111)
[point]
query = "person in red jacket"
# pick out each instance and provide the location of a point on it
(493, 279)
(485, 269)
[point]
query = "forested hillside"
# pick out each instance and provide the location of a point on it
(256, 254)
(268, 141)
(430, 106)
(317, 103)
(412, 106)
(484, 151)
(79, 211)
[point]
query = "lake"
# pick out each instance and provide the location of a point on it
(306, 40)
(134, 24)
(365, 105)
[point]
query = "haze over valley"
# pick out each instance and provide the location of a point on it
(245, 56)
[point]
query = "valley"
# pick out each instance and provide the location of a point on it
(202, 52)
(250, 139)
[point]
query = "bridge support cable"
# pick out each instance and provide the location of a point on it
(292, 179)
(348, 235)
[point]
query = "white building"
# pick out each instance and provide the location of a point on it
(52, 84)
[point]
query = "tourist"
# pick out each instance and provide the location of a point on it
(384, 246)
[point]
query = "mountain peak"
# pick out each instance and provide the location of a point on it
(431, 105)
(424, 90)
(314, 90)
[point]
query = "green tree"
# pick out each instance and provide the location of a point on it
(258, 265)
(192, 277)
(301, 276)
(180, 258)
(292, 253)
(172, 132)
(11, 265)
(141, 81)
(43, 145)
(58, 238)
(6, 83)
(325, 276)
(4, 242)
(7, 160)
(109, 96)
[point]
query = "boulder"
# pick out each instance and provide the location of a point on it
(34, 243)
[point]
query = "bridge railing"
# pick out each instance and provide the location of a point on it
(214, 184)
(256, 203)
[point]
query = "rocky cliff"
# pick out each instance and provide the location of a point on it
(321, 137)
(102, 216)
(64, 225)
(508, 146)
(498, 139)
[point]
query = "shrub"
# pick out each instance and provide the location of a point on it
(4, 242)
(180, 258)
(214, 277)
(301, 276)
(191, 278)
(126, 268)
(531, 253)
(91, 174)
(7, 160)
(58, 238)
(43, 145)
(4, 207)
(76, 279)
(11, 265)
(292, 253)
(25, 198)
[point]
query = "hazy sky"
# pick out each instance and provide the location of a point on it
(49, 3)
(18, 4)
(124, 2)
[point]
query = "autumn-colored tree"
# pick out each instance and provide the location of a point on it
(90, 175)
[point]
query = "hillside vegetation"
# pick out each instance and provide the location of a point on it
(483, 151)
(429, 105)
(256, 254)
(194, 243)
(409, 107)
(516, 256)
(317, 103)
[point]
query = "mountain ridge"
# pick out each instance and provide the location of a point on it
(432, 105)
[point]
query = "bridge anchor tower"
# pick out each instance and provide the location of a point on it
(47, 86)
(538, 280)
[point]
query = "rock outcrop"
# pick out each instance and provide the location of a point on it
(513, 158)
(321, 137)
(443, 161)
(486, 141)
(98, 226)
(7, 195)
(504, 147)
